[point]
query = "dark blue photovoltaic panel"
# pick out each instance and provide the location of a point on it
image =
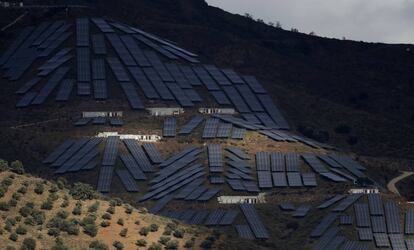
(111, 151)
(196, 193)
(98, 44)
(158, 84)
(83, 64)
(143, 82)
(98, 69)
(375, 204)
(28, 85)
(220, 97)
(135, 51)
(158, 66)
(102, 25)
(105, 179)
(127, 180)
(236, 99)
(178, 76)
(347, 202)
(215, 158)
(131, 93)
(254, 84)
(326, 238)
(345, 220)
(214, 217)
(193, 95)
(314, 163)
(139, 155)
(190, 75)
(100, 90)
(277, 162)
(233, 76)
(210, 128)
(362, 215)
(262, 161)
(170, 127)
(409, 222)
(50, 85)
(292, 162)
(309, 179)
(152, 152)
(265, 179)
(294, 179)
(58, 151)
(331, 201)
(224, 130)
(205, 78)
(65, 90)
(392, 217)
(381, 240)
(156, 47)
(217, 75)
(133, 167)
(266, 120)
(179, 95)
(118, 69)
(255, 223)
(301, 211)
(273, 111)
(26, 100)
(191, 125)
(244, 232)
(84, 88)
(250, 98)
(82, 32)
(325, 223)
(378, 224)
(181, 54)
(120, 49)
(238, 133)
(279, 179)
(26, 31)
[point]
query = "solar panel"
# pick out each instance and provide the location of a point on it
(190, 75)
(82, 32)
(343, 174)
(292, 162)
(309, 180)
(120, 49)
(135, 51)
(214, 155)
(236, 185)
(187, 215)
(51, 84)
(111, 151)
(132, 95)
(24, 33)
(178, 156)
(26, 100)
(159, 66)
(98, 69)
(69, 153)
(189, 188)
(301, 211)
(102, 25)
(314, 163)
(347, 202)
(326, 238)
(87, 162)
(115, 121)
(262, 161)
(409, 222)
(381, 240)
(28, 85)
(170, 127)
(100, 91)
(156, 47)
(65, 90)
(375, 204)
(232, 76)
(236, 99)
(158, 84)
(287, 206)
(378, 224)
(325, 223)
(273, 111)
(209, 194)
(279, 179)
(160, 204)
(238, 133)
(397, 242)
(410, 244)
(143, 83)
(214, 217)
(362, 215)
(392, 217)
(178, 76)
(254, 84)
(250, 98)
(349, 164)
(251, 186)
(205, 78)
(229, 217)
(217, 75)
(58, 151)
(210, 128)
(84, 88)
(353, 245)
(138, 155)
(133, 167)
(238, 152)
(152, 152)
(119, 71)
(345, 219)
(199, 217)
(216, 180)
(277, 162)
(98, 44)
(192, 95)
(105, 179)
(179, 95)
(294, 179)
(254, 221)
(127, 180)
(244, 232)
(331, 201)
(224, 130)
(265, 179)
(83, 64)
(191, 125)
(331, 162)
(333, 177)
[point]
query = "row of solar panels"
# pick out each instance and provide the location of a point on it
(216, 217)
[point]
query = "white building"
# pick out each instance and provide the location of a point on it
(165, 111)
(11, 4)
(93, 114)
(225, 111)
(372, 190)
(143, 138)
(242, 199)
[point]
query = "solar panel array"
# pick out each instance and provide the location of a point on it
(210, 128)
(105, 179)
(127, 180)
(254, 221)
(82, 32)
(111, 151)
(170, 127)
(139, 155)
(191, 125)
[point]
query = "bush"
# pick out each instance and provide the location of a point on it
(53, 232)
(137, 222)
(25, 211)
(141, 243)
(120, 221)
(90, 219)
(172, 244)
(65, 203)
(164, 239)
(118, 245)
(106, 216)
(38, 216)
(167, 231)
(179, 233)
(4, 165)
(111, 210)
(128, 209)
(154, 227)
(22, 190)
(47, 205)
(7, 181)
(28, 244)
(11, 221)
(123, 232)
(94, 207)
(12, 202)
(105, 223)
(144, 231)
(39, 188)
(97, 245)
(4, 206)
(53, 189)
(59, 245)
(115, 202)
(10, 248)
(207, 244)
(29, 221)
(155, 246)
(13, 237)
(78, 209)
(21, 230)
(16, 196)
(17, 167)
(82, 191)
(90, 229)
(189, 244)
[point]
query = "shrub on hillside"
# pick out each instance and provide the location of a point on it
(53, 232)
(105, 223)
(4, 165)
(94, 207)
(13, 237)
(62, 214)
(47, 205)
(154, 227)
(155, 246)
(17, 167)
(118, 245)
(207, 244)
(4, 206)
(123, 232)
(179, 233)
(144, 231)
(82, 191)
(111, 209)
(106, 216)
(21, 230)
(22, 190)
(90, 229)
(164, 239)
(128, 209)
(64, 204)
(120, 221)
(97, 245)
(189, 244)
(141, 243)
(12, 202)
(78, 209)
(172, 244)
(59, 245)
(39, 188)
(28, 244)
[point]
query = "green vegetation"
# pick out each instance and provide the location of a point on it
(118, 245)
(164, 239)
(82, 191)
(28, 244)
(59, 245)
(120, 221)
(141, 243)
(78, 208)
(105, 223)
(21, 230)
(155, 246)
(179, 233)
(144, 231)
(106, 216)
(94, 207)
(97, 245)
(123, 232)
(39, 188)
(154, 227)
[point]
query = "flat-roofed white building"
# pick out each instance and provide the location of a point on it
(93, 114)
(144, 138)
(165, 111)
(225, 111)
(230, 199)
